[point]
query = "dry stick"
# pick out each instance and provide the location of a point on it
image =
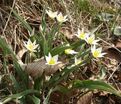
(15, 38)
(3, 33)
(113, 80)
(113, 72)
(108, 31)
(69, 15)
(109, 44)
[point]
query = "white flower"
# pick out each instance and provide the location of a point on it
(97, 52)
(70, 51)
(77, 61)
(31, 46)
(81, 34)
(51, 60)
(61, 18)
(51, 14)
(90, 39)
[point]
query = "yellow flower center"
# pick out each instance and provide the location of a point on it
(67, 51)
(77, 62)
(96, 53)
(90, 40)
(60, 18)
(82, 35)
(30, 47)
(52, 61)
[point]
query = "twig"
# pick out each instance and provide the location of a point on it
(110, 45)
(113, 72)
(3, 33)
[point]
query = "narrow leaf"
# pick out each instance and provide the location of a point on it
(24, 23)
(91, 85)
(19, 95)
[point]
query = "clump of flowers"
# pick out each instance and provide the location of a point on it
(60, 18)
(90, 39)
(31, 47)
(51, 60)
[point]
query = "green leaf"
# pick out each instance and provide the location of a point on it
(51, 35)
(57, 78)
(59, 49)
(5, 47)
(35, 99)
(19, 95)
(92, 85)
(17, 67)
(46, 100)
(16, 84)
(43, 43)
(57, 88)
(77, 44)
(38, 82)
(43, 21)
(22, 75)
(105, 16)
(62, 89)
(24, 23)
(45, 47)
(83, 53)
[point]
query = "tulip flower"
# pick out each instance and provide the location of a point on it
(81, 34)
(31, 46)
(51, 14)
(51, 60)
(60, 18)
(97, 52)
(90, 39)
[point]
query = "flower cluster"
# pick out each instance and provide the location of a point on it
(60, 18)
(90, 39)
